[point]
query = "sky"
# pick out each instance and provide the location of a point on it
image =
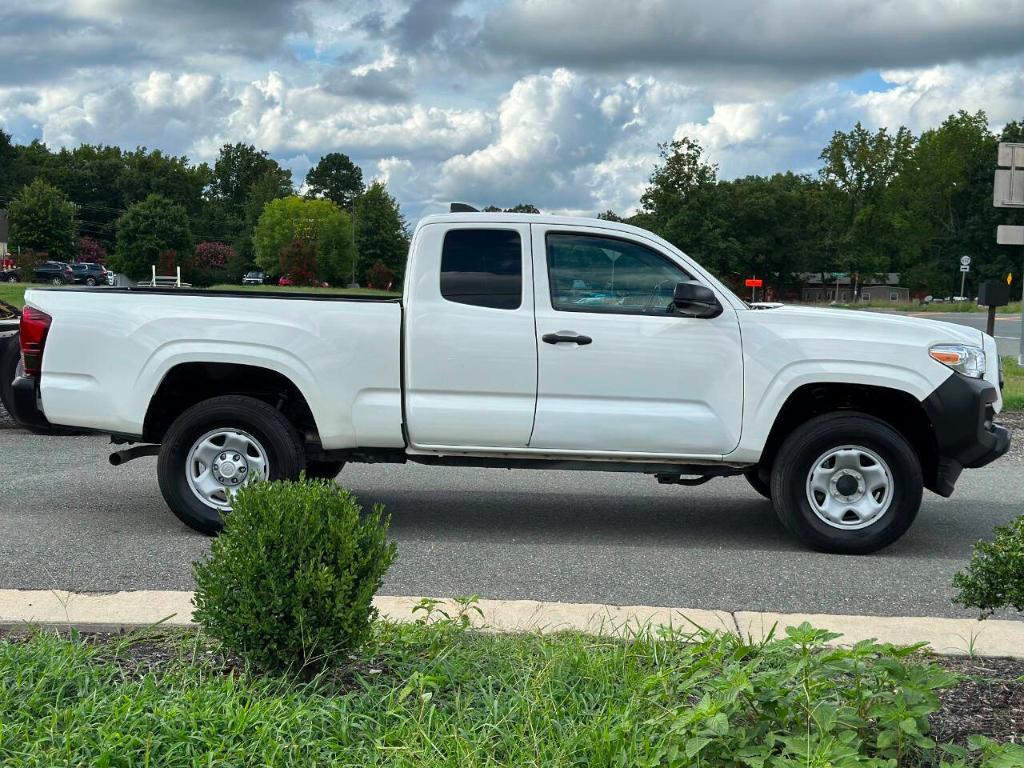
(559, 103)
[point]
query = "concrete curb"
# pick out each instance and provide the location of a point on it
(144, 608)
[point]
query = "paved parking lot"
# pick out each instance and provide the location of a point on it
(1007, 331)
(68, 520)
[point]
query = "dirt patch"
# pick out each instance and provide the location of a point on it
(989, 700)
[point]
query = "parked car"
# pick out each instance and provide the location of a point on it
(532, 342)
(284, 280)
(55, 272)
(9, 275)
(254, 278)
(87, 273)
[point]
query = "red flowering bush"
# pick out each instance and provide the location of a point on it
(91, 251)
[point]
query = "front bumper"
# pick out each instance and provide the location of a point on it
(27, 410)
(966, 436)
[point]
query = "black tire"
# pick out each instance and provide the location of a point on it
(759, 484)
(812, 440)
(12, 279)
(90, 281)
(10, 354)
(275, 433)
(323, 470)
(56, 281)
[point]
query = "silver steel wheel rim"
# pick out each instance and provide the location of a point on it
(222, 461)
(850, 487)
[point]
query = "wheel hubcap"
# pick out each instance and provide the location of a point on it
(220, 462)
(849, 487)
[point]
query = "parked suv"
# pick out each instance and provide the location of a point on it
(88, 273)
(56, 272)
(254, 278)
(8, 275)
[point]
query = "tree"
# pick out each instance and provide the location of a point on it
(42, 220)
(520, 208)
(90, 176)
(380, 232)
(861, 165)
(336, 178)
(319, 223)
(145, 231)
(91, 251)
(239, 168)
(147, 172)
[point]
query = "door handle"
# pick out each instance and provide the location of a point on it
(566, 336)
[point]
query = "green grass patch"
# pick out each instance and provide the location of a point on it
(960, 306)
(13, 293)
(1013, 385)
(441, 695)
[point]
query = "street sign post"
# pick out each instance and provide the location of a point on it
(965, 267)
(1008, 192)
(753, 283)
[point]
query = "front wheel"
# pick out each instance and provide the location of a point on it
(216, 447)
(847, 483)
(90, 281)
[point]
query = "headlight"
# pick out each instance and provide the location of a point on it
(962, 358)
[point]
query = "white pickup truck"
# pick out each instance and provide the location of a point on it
(525, 341)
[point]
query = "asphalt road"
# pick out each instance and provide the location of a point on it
(68, 520)
(1007, 332)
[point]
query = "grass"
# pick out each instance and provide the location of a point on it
(440, 695)
(13, 293)
(1013, 385)
(962, 306)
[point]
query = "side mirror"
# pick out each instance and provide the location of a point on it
(695, 300)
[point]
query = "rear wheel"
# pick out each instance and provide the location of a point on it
(847, 483)
(90, 281)
(56, 281)
(216, 447)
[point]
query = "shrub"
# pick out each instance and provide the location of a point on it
(379, 276)
(26, 260)
(208, 263)
(298, 261)
(994, 578)
(289, 583)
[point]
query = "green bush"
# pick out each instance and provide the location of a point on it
(994, 578)
(289, 583)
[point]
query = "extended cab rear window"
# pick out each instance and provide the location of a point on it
(483, 268)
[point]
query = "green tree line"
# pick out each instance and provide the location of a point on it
(143, 208)
(882, 201)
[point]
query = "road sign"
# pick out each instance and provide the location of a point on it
(1008, 190)
(1008, 234)
(965, 261)
(754, 282)
(965, 267)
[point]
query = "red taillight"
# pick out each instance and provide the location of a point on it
(35, 324)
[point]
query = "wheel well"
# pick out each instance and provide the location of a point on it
(900, 410)
(191, 383)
